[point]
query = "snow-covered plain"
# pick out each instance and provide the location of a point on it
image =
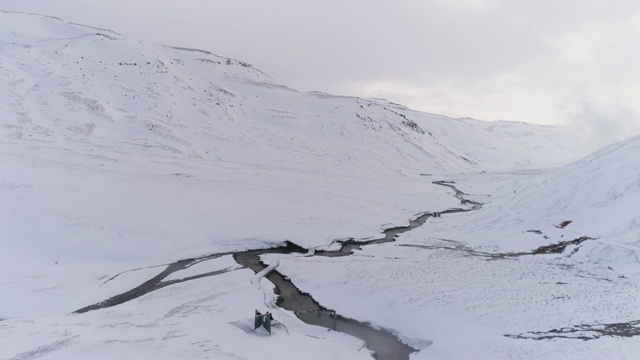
(120, 156)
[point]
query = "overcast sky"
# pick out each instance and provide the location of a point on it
(541, 61)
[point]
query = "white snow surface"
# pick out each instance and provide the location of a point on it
(119, 157)
(597, 194)
(117, 152)
(437, 283)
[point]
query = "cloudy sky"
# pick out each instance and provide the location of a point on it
(542, 61)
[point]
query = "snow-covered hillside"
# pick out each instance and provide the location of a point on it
(548, 268)
(117, 150)
(599, 194)
(120, 157)
(594, 197)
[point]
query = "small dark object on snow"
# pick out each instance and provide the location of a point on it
(263, 320)
(564, 224)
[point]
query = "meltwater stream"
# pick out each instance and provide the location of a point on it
(384, 344)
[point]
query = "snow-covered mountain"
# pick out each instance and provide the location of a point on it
(119, 150)
(598, 193)
(594, 197)
(68, 83)
(119, 156)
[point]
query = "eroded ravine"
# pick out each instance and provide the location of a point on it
(384, 344)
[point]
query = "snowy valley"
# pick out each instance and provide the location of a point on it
(129, 165)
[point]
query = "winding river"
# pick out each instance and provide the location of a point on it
(384, 344)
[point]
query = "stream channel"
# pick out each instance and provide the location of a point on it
(384, 344)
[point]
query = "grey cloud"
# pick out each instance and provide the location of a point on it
(604, 126)
(317, 43)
